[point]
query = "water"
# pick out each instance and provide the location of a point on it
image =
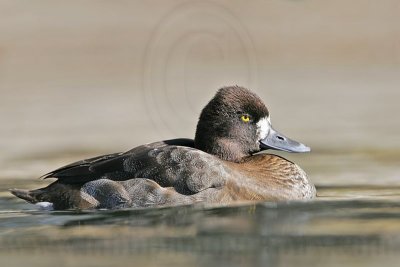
(349, 223)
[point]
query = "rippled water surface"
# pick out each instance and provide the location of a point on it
(349, 223)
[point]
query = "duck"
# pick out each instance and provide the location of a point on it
(225, 163)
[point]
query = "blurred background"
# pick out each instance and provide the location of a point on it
(83, 78)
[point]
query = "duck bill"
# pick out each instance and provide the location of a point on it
(278, 141)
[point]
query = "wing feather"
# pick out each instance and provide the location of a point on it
(116, 166)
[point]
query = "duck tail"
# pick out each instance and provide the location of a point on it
(29, 195)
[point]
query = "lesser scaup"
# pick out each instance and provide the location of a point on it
(218, 166)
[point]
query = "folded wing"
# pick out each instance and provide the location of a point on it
(172, 163)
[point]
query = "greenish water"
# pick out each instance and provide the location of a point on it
(351, 222)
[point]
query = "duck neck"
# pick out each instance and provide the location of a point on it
(223, 148)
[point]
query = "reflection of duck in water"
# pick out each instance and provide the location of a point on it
(217, 167)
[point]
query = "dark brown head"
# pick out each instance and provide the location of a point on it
(235, 124)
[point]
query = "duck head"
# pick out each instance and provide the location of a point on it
(236, 124)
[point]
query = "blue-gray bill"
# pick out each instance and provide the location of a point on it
(278, 141)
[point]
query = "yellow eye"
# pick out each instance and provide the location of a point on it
(245, 118)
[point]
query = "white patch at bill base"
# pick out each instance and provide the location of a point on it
(263, 127)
